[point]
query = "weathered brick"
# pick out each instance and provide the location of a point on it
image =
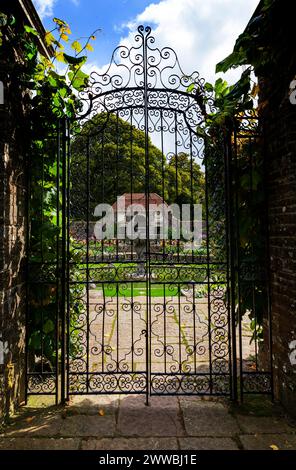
(278, 118)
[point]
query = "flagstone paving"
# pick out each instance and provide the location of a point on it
(169, 423)
(181, 335)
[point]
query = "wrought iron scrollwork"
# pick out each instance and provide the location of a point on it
(155, 321)
(145, 75)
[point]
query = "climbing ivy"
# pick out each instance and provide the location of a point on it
(231, 104)
(53, 82)
(253, 46)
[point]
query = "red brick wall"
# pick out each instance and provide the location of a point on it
(13, 137)
(279, 121)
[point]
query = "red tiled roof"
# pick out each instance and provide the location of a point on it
(140, 198)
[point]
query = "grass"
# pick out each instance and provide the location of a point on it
(136, 289)
(111, 280)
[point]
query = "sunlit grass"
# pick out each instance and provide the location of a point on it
(136, 289)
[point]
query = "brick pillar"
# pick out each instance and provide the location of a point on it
(12, 250)
(279, 119)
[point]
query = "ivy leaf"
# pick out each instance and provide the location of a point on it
(63, 92)
(78, 79)
(75, 60)
(3, 19)
(53, 169)
(30, 51)
(52, 81)
(49, 38)
(60, 22)
(60, 56)
(242, 86)
(66, 30)
(76, 46)
(12, 20)
(48, 326)
(89, 47)
(57, 100)
(190, 88)
(31, 30)
(35, 340)
(208, 87)
(220, 86)
(233, 60)
(64, 37)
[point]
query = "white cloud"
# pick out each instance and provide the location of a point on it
(201, 32)
(44, 7)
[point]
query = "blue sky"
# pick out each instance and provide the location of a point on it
(85, 16)
(201, 31)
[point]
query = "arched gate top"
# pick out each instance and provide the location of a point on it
(145, 76)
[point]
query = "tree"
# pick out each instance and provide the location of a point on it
(117, 165)
(185, 180)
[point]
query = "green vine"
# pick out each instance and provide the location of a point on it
(232, 103)
(53, 81)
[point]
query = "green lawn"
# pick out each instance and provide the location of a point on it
(136, 289)
(113, 279)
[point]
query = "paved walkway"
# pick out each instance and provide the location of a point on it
(110, 423)
(182, 339)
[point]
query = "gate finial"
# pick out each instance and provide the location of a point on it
(144, 30)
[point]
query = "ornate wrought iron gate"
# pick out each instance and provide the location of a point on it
(154, 316)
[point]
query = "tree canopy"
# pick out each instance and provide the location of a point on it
(116, 165)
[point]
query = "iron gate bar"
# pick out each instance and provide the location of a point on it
(147, 214)
(58, 271)
(238, 262)
(227, 178)
(87, 258)
(255, 381)
(231, 251)
(208, 269)
(64, 293)
(68, 258)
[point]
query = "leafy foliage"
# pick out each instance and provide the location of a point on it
(53, 96)
(247, 167)
(117, 166)
(251, 46)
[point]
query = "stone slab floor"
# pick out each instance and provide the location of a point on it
(169, 423)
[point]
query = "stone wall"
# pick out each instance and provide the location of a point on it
(12, 246)
(13, 151)
(14, 145)
(279, 120)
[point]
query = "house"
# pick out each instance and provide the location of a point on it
(139, 206)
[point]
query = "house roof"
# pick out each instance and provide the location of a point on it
(139, 198)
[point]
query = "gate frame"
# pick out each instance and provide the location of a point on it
(61, 390)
